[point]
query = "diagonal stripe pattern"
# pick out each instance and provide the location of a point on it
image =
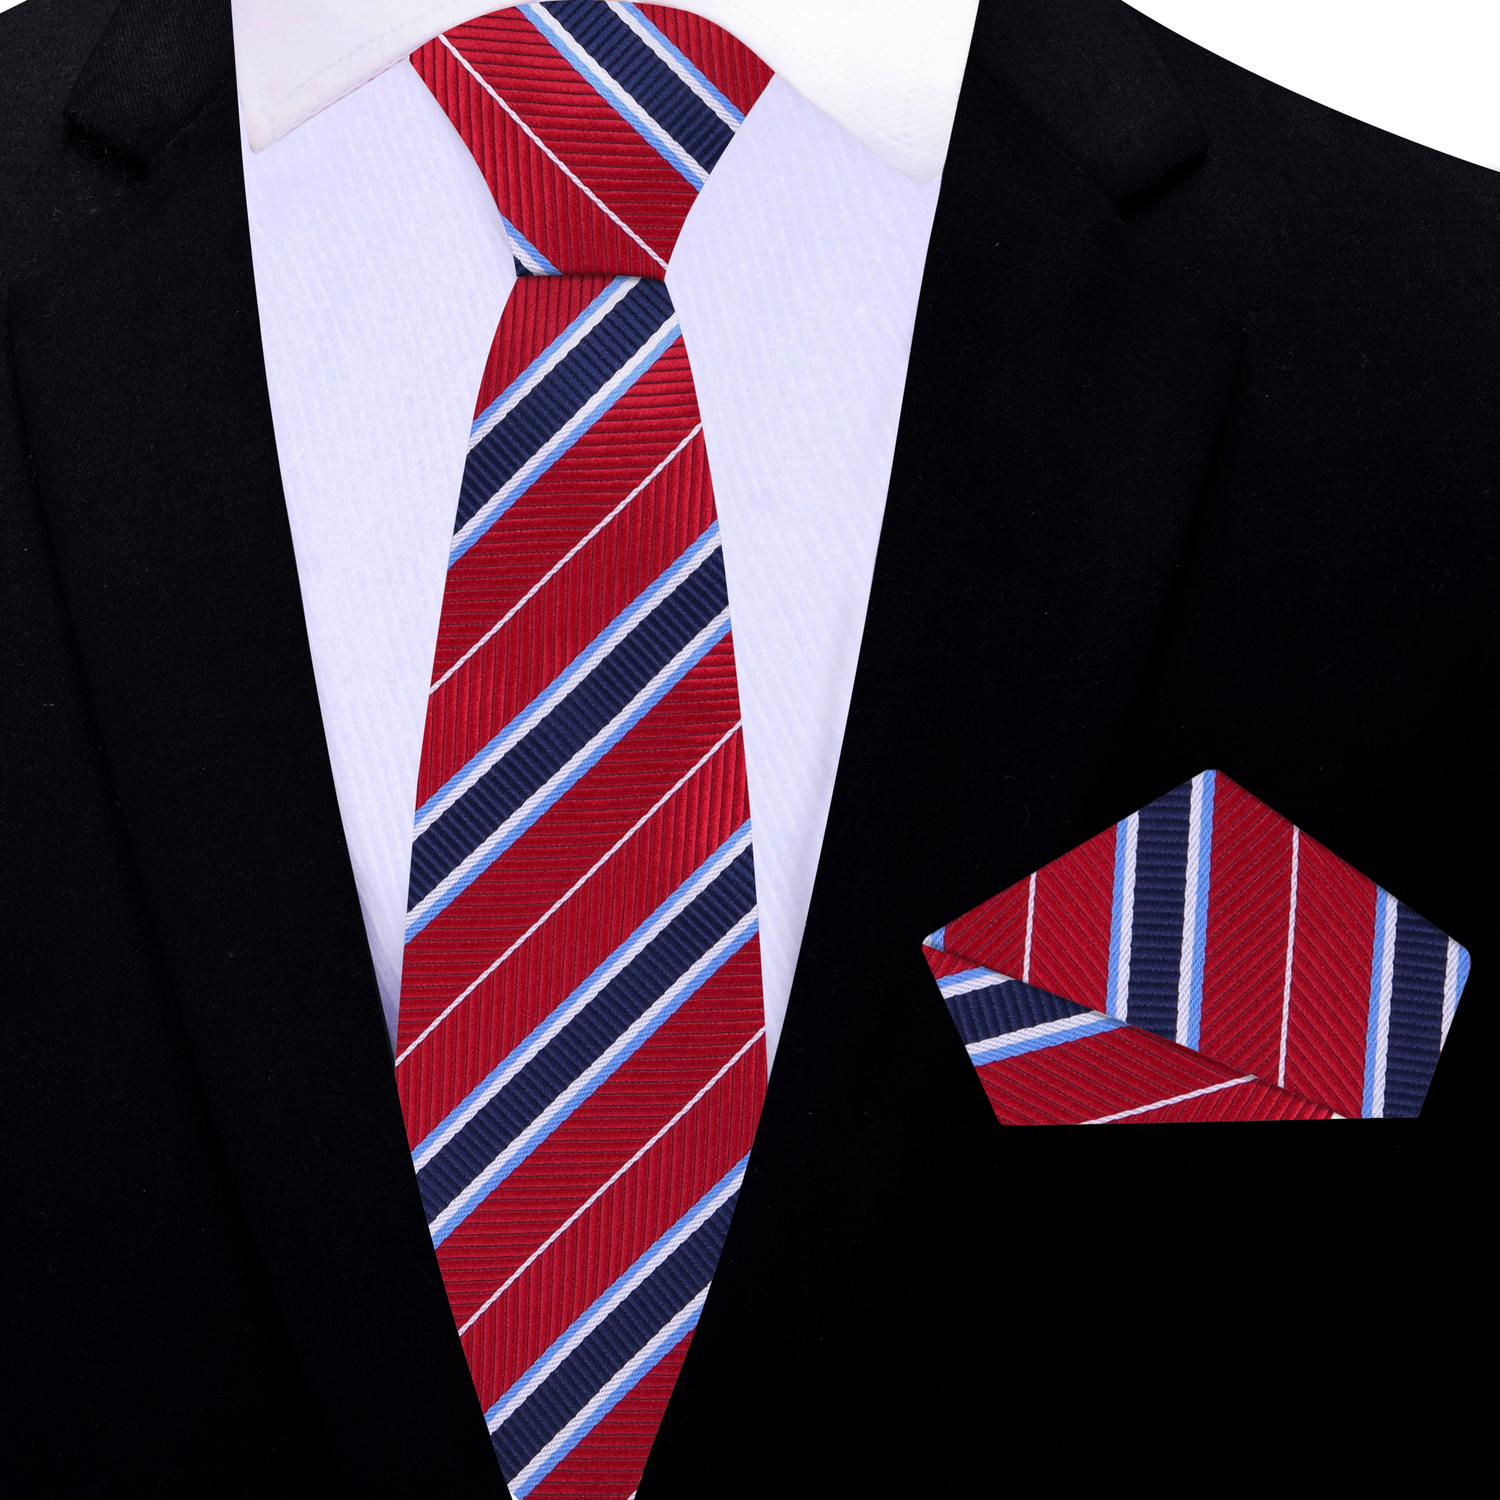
(1217, 964)
(581, 1054)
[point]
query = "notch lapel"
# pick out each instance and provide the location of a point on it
(144, 395)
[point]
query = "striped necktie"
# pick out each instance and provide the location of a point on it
(581, 1055)
(1204, 959)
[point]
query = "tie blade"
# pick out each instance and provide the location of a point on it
(581, 1051)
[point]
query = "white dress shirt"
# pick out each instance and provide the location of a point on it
(381, 270)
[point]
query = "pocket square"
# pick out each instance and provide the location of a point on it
(1203, 959)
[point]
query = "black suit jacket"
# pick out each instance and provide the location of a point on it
(1197, 467)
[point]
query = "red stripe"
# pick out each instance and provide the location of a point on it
(1325, 1050)
(580, 827)
(582, 128)
(1070, 928)
(721, 57)
(530, 190)
(577, 604)
(1246, 1101)
(1244, 965)
(1096, 1075)
(608, 1463)
(993, 935)
(463, 941)
(566, 501)
(584, 1152)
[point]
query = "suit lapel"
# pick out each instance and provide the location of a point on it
(144, 395)
(1061, 410)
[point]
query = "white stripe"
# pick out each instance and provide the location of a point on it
(971, 979)
(566, 1102)
(572, 890)
(624, 285)
(688, 1225)
(1146, 1109)
(683, 896)
(1060, 1027)
(1450, 990)
(561, 563)
(1030, 922)
(531, 258)
(1188, 949)
(1127, 919)
(569, 772)
(1291, 947)
(618, 96)
(600, 1191)
(527, 474)
(628, 14)
(555, 159)
(568, 679)
(1383, 1010)
(609, 1393)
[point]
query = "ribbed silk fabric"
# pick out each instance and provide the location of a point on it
(1204, 959)
(581, 1049)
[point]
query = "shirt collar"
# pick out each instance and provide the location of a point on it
(888, 71)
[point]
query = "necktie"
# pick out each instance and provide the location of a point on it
(581, 1055)
(1204, 959)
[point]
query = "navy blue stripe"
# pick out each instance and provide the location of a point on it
(610, 1347)
(1156, 926)
(543, 411)
(646, 78)
(622, 1002)
(520, 271)
(999, 1009)
(530, 763)
(1419, 966)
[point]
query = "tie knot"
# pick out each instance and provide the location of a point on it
(594, 124)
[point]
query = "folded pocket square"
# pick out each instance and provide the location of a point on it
(1203, 959)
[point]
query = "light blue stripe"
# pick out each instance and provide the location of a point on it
(583, 994)
(535, 467)
(527, 253)
(593, 73)
(935, 939)
(1461, 978)
(1372, 1021)
(547, 354)
(1001, 1048)
(519, 822)
(579, 1092)
(557, 1352)
(1116, 916)
(949, 983)
(684, 66)
(1200, 925)
(640, 1366)
(702, 548)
